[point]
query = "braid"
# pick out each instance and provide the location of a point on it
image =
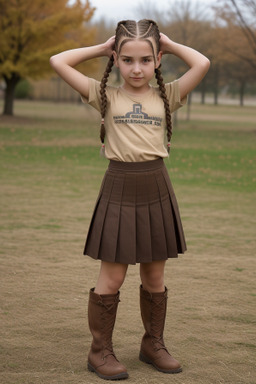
(103, 85)
(168, 116)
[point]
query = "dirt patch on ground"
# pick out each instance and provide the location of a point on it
(58, 142)
(17, 120)
(216, 117)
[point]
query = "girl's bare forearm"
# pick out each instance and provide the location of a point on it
(74, 57)
(189, 55)
(198, 63)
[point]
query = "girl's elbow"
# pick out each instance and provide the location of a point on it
(53, 61)
(56, 62)
(207, 64)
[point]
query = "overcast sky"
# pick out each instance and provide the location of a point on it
(117, 10)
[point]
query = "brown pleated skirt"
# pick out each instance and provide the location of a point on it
(136, 217)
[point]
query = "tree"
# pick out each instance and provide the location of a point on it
(33, 30)
(239, 15)
(231, 68)
(187, 24)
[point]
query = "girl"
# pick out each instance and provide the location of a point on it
(136, 217)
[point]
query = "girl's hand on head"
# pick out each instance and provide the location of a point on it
(165, 44)
(110, 45)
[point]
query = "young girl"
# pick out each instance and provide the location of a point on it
(136, 218)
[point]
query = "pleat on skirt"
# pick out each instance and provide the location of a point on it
(136, 218)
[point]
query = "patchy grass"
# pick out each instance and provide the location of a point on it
(50, 175)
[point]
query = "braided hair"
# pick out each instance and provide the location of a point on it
(142, 29)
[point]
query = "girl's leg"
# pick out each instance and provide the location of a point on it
(152, 276)
(153, 304)
(111, 278)
(102, 309)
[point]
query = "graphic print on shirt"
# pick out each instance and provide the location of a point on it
(137, 117)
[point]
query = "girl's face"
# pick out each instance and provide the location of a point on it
(137, 62)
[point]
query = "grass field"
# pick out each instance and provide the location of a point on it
(50, 175)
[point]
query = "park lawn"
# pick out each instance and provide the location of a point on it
(50, 175)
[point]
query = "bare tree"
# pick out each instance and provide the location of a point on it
(246, 17)
(239, 15)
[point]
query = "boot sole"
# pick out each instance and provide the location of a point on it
(146, 360)
(119, 376)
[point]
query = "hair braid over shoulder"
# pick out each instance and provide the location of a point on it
(168, 116)
(103, 85)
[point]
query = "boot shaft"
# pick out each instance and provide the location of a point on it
(102, 311)
(101, 317)
(153, 350)
(153, 311)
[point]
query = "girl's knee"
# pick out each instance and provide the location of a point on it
(114, 283)
(153, 283)
(111, 278)
(152, 276)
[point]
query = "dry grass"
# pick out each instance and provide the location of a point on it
(50, 174)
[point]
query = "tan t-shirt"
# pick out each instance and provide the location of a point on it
(135, 125)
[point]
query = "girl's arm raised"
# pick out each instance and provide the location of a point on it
(198, 63)
(64, 63)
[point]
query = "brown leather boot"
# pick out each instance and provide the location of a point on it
(153, 351)
(101, 316)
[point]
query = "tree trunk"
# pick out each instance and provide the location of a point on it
(242, 89)
(203, 91)
(216, 85)
(189, 106)
(9, 93)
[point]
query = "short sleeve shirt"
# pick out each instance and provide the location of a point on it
(135, 125)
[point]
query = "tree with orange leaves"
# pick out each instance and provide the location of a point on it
(32, 31)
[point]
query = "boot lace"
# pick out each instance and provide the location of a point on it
(108, 319)
(157, 323)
